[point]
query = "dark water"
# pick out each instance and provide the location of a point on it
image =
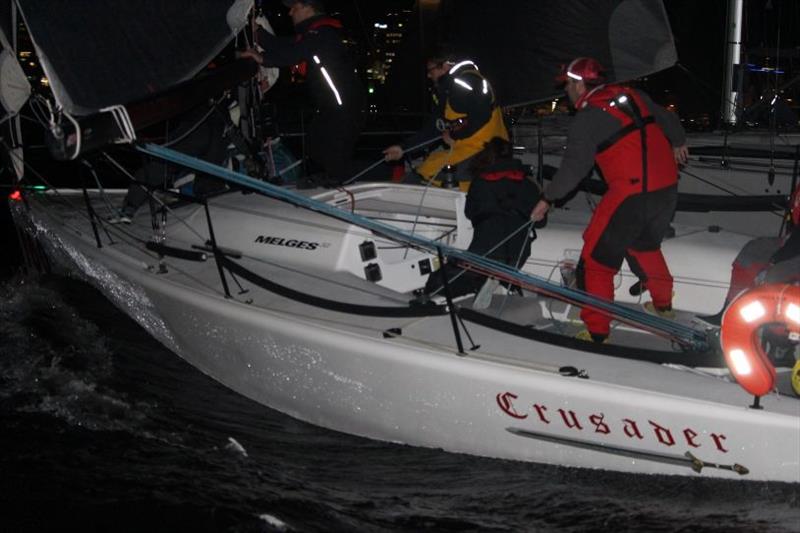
(102, 429)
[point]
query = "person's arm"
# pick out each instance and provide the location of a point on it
(670, 124)
(578, 159)
(424, 135)
(286, 51)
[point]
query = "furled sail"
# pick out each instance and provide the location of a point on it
(521, 44)
(102, 54)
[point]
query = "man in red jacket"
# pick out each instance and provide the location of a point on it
(636, 145)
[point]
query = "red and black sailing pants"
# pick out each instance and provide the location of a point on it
(628, 226)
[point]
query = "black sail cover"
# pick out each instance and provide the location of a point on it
(521, 44)
(101, 53)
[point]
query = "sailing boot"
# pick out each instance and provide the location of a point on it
(663, 312)
(586, 335)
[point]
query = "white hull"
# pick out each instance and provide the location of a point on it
(506, 399)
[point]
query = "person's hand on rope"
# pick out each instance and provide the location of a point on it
(540, 210)
(394, 152)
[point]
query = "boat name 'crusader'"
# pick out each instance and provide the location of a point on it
(291, 243)
(597, 423)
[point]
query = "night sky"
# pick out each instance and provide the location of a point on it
(698, 26)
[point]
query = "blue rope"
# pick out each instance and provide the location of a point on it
(694, 338)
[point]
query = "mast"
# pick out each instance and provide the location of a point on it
(733, 52)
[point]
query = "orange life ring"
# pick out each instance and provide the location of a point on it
(768, 304)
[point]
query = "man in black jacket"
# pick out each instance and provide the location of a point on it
(317, 54)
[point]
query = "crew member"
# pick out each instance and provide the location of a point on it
(318, 55)
(466, 117)
(199, 132)
(766, 260)
(498, 204)
(636, 145)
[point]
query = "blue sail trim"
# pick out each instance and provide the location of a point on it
(683, 334)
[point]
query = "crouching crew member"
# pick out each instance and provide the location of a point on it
(765, 260)
(498, 204)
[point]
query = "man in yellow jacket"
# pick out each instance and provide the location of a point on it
(467, 117)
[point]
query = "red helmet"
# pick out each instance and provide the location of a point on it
(794, 207)
(582, 69)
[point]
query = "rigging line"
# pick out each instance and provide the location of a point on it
(399, 246)
(370, 167)
(419, 211)
(78, 134)
(100, 187)
(688, 336)
(424, 193)
(707, 86)
(778, 46)
(779, 90)
(528, 235)
(43, 109)
(367, 36)
(34, 120)
(723, 189)
(383, 159)
(773, 115)
(196, 125)
(7, 118)
(61, 199)
(715, 185)
(532, 102)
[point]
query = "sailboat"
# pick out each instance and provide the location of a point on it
(307, 301)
